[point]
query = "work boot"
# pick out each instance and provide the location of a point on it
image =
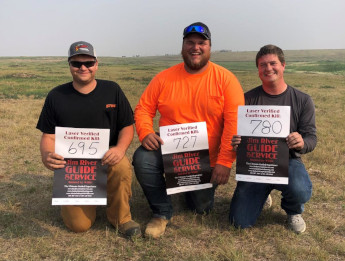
(156, 227)
(268, 202)
(130, 229)
(296, 223)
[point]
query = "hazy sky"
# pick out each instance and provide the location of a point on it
(154, 27)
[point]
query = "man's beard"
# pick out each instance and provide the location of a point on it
(194, 66)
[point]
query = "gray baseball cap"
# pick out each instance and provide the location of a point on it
(81, 47)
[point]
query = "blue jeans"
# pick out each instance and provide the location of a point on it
(149, 170)
(249, 198)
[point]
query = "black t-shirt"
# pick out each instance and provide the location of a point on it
(302, 117)
(106, 107)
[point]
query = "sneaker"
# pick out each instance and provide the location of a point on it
(268, 202)
(296, 223)
(156, 227)
(130, 229)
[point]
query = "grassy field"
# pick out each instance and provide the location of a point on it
(31, 229)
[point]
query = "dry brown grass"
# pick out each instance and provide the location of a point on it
(31, 229)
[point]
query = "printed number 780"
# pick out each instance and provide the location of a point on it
(267, 127)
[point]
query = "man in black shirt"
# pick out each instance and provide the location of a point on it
(89, 103)
(249, 198)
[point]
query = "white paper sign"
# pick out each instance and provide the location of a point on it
(186, 157)
(263, 121)
(184, 137)
(83, 180)
(81, 143)
(263, 155)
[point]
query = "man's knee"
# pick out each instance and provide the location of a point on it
(300, 190)
(78, 218)
(143, 157)
(300, 195)
(120, 171)
(77, 227)
(119, 181)
(148, 164)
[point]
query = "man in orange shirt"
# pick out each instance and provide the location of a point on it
(193, 91)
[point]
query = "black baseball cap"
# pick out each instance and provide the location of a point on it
(198, 28)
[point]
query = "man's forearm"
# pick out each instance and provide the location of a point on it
(125, 137)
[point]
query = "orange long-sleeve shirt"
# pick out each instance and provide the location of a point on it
(212, 96)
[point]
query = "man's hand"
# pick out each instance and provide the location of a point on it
(295, 141)
(113, 156)
(220, 174)
(53, 161)
(152, 141)
(235, 141)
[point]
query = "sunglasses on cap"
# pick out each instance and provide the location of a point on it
(200, 29)
(77, 64)
(195, 28)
